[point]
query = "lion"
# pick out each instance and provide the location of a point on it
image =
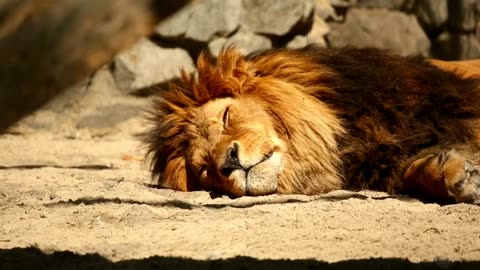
(313, 120)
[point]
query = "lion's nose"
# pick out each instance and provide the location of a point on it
(232, 162)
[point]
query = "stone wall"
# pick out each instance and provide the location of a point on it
(446, 29)
(451, 26)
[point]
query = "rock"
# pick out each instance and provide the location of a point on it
(399, 32)
(47, 46)
(40, 120)
(318, 32)
(431, 14)
(104, 106)
(64, 108)
(101, 89)
(478, 30)
(325, 10)
(109, 116)
(147, 64)
(462, 15)
(298, 41)
(245, 41)
(275, 17)
(343, 3)
(203, 20)
(316, 35)
(95, 104)
(176, 25)
(386, 4)
(73, 95)
(215, 46)
(214, 17)
(456, 46)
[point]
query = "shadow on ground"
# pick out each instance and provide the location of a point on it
(251, 202)
(33, 258)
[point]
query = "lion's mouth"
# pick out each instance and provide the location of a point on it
(256, 180)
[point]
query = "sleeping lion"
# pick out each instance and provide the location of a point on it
(313, 120)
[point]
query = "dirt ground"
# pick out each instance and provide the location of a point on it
(81, 202)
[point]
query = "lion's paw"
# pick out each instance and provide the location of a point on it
(462, 178)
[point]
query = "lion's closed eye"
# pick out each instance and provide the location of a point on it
(225, 118)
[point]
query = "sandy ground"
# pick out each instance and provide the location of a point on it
(85, 202)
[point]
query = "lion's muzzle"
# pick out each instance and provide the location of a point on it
(252, 172)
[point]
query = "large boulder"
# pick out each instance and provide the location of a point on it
(318, 32)
(65, 108)
(463, 15)
(54, 114)
(47, 46)
(95, 104)
(203, 20)
(393, 30)
(275, 17)
(325, 10)
(108, 117)
(298, 41)
(432, 14)
(451, 46)
(147, 64)
(176, 25)
(245, 41)
(343, 3)
(386, 4)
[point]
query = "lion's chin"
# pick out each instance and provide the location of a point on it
(260, 180)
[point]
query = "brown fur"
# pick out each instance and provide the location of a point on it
(310, 121)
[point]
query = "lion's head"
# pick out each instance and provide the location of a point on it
(246, 127)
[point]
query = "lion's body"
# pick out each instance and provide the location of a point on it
(327, 119)
(392, 108)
